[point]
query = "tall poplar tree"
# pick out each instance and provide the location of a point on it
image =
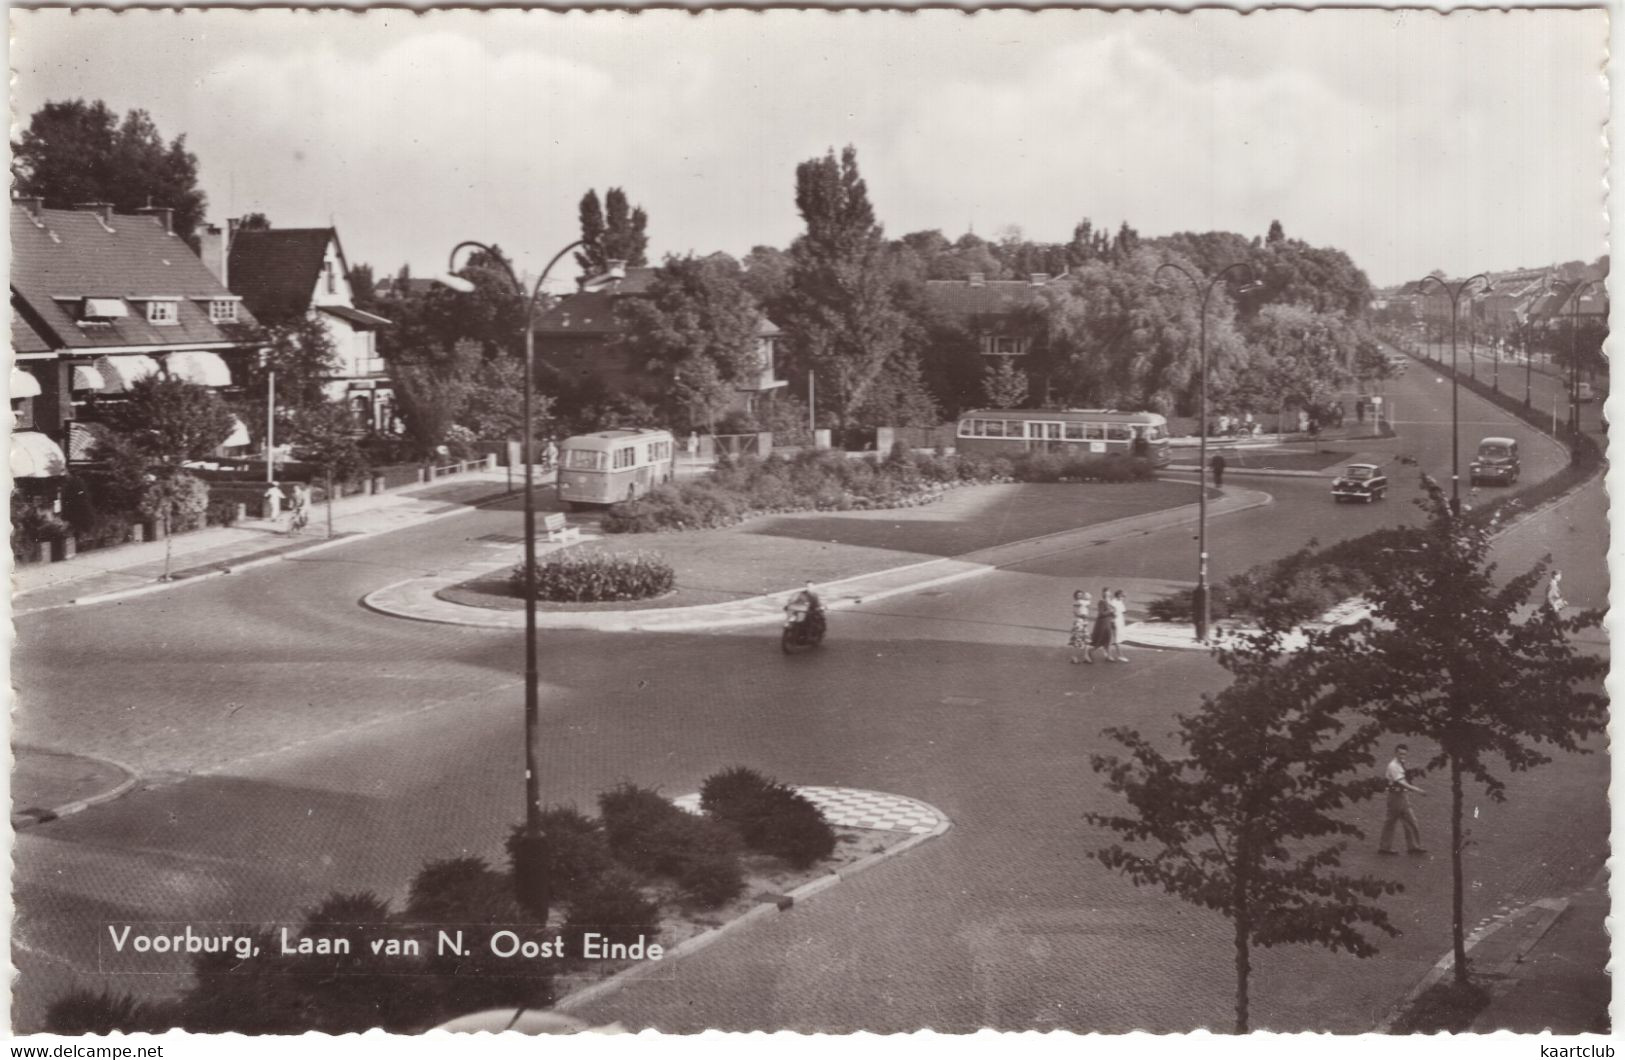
(614, 230)
(844, 322)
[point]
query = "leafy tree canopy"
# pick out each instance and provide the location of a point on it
(77, 152)
(614, 231)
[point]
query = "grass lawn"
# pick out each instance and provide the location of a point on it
(776, 552)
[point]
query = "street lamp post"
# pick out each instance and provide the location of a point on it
(1454, 294)
(1576, 290)
(1200, 598)
(530, 856)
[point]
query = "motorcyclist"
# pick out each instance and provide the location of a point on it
(805, 606)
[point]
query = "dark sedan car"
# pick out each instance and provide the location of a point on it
(1361, 482)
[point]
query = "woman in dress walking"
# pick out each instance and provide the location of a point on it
(1119, 608)
(1101, 635)
(1079, 641)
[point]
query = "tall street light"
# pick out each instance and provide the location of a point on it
(530, 855)
(1454, 294)
(1201, 598)
(1575, 290)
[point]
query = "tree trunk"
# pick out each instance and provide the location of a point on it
(1244, 965)
(1456, 923)
(169, 545)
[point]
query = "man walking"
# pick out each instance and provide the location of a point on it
(1399, 807)
(1217, 464)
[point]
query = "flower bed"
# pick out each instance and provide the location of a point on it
(826, 481)
(589, 575)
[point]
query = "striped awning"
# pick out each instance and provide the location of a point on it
(200, 367)
(120, 372)
(34, 455)
(238, 436)
(87, 378)
(84, 440)
(23, 384)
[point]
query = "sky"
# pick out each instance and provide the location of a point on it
(1412, 140)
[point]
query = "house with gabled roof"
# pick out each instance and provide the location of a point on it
(287, 274)
(98, 301)
(579, 338)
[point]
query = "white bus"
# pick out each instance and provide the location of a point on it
(610, 466)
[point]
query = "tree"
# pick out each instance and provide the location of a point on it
(1276, 234)
(1451, 657)
(77, 152)
(432, 384)
(698, 330)
(1004, 385)
(494, 407)
(302, 354)
(175, 499)
(842, 317)
(254, 222)
(1231, 820)
(324, 436)
(613, 231)
(165, 422)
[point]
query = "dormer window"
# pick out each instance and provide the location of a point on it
(222, 311)
(162, 311)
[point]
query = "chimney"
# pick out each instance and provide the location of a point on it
(1038, 279)
(214, 248)
(103, 210)
(977, 279)
(164, 215)
(33, 204)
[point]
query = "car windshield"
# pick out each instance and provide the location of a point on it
(1360, 473)
(1494, 450)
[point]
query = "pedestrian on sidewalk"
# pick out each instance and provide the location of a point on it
(298, 506)
(1218, 466)
(1119, 608)
(1100, 636)
(1554, 594)
(551, 456)
(1079, 640)
(1399, 807)
(273, 501)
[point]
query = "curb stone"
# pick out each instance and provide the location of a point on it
(1546, 910)
(688, 947)
(34, 815)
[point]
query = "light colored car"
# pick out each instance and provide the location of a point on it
(1584, 392)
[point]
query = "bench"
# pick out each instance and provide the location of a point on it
(557, 532)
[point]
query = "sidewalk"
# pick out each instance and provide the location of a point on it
(114, 573)
(1554, 970)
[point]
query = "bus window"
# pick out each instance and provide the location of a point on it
(1074, 432)
(1094, 431)
(583, 460)
(993, 428)
(626, 457)
(1117, 432)
(1156, 433)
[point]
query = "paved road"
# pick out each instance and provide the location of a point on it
(296, 744)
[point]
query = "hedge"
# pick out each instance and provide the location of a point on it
(650, 834)
(827, 481)
(770, 817)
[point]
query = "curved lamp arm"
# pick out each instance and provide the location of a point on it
(457, 282)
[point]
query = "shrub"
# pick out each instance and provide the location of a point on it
(577, 851)
(222, 512)
(84, 1012)
(588, 575)
(650, 834)
(468, 895)
(612, 905)
(770, 817)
